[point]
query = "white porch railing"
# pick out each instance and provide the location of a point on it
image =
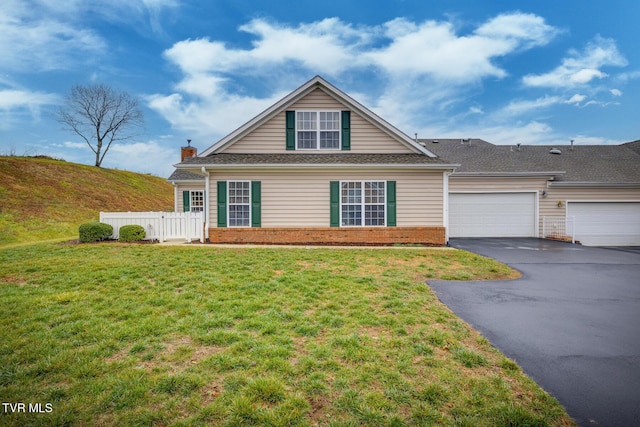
(559, 228)
(160, 226)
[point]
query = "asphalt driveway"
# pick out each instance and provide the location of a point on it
(572, 322)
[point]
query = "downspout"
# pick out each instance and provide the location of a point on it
(206, 202)
(445, 204)
(175, 196)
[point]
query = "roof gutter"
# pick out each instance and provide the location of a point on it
(185, 181)
(507, 174)
(569, 184)
(318, 166)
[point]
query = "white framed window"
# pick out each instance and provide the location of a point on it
(239, 203)
(318, 130)
(197, 200)
(362, 203)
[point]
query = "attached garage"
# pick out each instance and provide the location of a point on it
(606, 223)
(505, 214)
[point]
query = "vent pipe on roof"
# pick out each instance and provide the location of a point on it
(518, 145)
(572, 145)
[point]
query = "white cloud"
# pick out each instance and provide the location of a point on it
(595, 140)
(326, 46)
(516, 108)
(576, 99)
(580, 68)
(42, 35)
(35, 41)
(523, 107)
(45, 46)
(626, 77)
(15, 103)
(411, 64)
(11, 99)
(433, 48)
(522, 28)
(616, 92)
(144, 156)
(531, 132)
(73, 145)
(210, 117)
(525, 133)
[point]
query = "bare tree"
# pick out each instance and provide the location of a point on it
(100, 115)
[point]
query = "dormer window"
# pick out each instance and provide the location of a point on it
(318, 130)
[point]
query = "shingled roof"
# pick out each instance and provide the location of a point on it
(592, 164)
(185, 175)
(315, 159)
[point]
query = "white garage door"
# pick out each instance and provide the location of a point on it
(606, 223)
(492, 214)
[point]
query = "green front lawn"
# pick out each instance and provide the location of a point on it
(114, 334)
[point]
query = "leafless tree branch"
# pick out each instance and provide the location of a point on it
(100, 116)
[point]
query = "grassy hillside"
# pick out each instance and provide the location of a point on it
(42, 198)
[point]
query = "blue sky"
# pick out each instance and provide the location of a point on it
(529, 72)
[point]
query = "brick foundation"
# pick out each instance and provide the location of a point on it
(431, 236)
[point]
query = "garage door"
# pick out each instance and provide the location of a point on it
(607, 223)
(492, 214)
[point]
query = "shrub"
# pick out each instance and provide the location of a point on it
(132, 233)
(94, 231)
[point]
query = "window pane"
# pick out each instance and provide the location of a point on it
(351, 215)
(306, 120)
(307, 139)
(329, 120)
(351, 192)
(239, 216)
(238, 192)
(197, 201)
(329, 140)
(374, 215)
(374, 192)
(239, 203)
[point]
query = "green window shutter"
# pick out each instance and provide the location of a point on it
(222, 203)
(291, 130)
(186, 201)
(346, 130)
(391, 203)
(334, 202)
(255, 204)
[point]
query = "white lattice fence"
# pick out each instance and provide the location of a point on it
(559, 228)
(160, 226)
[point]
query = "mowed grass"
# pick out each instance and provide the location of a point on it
(114, 334)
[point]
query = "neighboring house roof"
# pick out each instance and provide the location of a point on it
(316, 83)
(309, 160)
(181, 175)
(584, 164)
(635, 146)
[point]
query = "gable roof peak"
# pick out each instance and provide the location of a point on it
(303, 90)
